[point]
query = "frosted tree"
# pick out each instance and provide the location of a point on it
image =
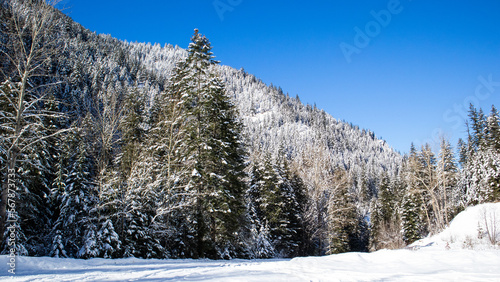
(447, 182)
(342, 218)
(260, 245)
(493, 130)
(412, 227)
(274, 207)
(74, 193)
(414, 220)
(384, 216)
(204, 156)
(26, 49)
(479, 177)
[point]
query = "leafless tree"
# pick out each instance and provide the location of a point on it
(28, 45)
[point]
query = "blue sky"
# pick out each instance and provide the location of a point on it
(405, 69)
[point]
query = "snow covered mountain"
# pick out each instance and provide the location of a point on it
(273, 119)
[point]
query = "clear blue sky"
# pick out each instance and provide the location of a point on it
(411, 79)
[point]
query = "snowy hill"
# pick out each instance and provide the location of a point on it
(475, 228)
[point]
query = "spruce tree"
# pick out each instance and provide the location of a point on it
(212, 156)
(260, 244)
(413, 221)
(447, 182)
(411, 218)
(74, 194)
(297, 204)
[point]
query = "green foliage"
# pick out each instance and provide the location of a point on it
(277, 200)
(411, 219)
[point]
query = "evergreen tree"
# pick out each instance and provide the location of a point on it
(271, 206)
(297, 203)
(478, 125)
(73, 191)
(448, 200)
(261, 244)
(277, 201)
(212, 155)
(384, 215)
(480, 175)
(413, 221)
(412, 230)
(493, 130)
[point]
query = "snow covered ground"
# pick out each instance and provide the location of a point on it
(400, 265)
(470, 229)
(453, 255)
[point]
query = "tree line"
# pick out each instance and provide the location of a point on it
(431, 189)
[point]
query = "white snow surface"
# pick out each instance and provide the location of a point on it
(426, 260)
(468, 230)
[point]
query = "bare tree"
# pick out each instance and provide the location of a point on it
(491, 224)
(28, 46)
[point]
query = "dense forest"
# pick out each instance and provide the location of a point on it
(115, 149)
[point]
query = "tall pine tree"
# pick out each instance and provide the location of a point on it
(212, 156)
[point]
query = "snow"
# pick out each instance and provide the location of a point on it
(465, 228)
(400, 265)
(426, 260)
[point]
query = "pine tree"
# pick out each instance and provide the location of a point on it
(211, 153)
(136, 198)
(478, 127)
(413, 220)
(297, 203)
(276, 202)
(447, 183)
(493, 130)
(412, 230)
(260, 245)
(131, 131)
(271, 206)
(384, 217)
(480, 175)
(74, 193)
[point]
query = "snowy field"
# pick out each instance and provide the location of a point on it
(400, 265)
(457, 254)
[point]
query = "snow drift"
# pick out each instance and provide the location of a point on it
(475, 228)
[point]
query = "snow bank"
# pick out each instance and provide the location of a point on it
(475, 228)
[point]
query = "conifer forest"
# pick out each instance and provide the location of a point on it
(116, 149)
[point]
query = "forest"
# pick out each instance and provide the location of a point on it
(115, 149)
